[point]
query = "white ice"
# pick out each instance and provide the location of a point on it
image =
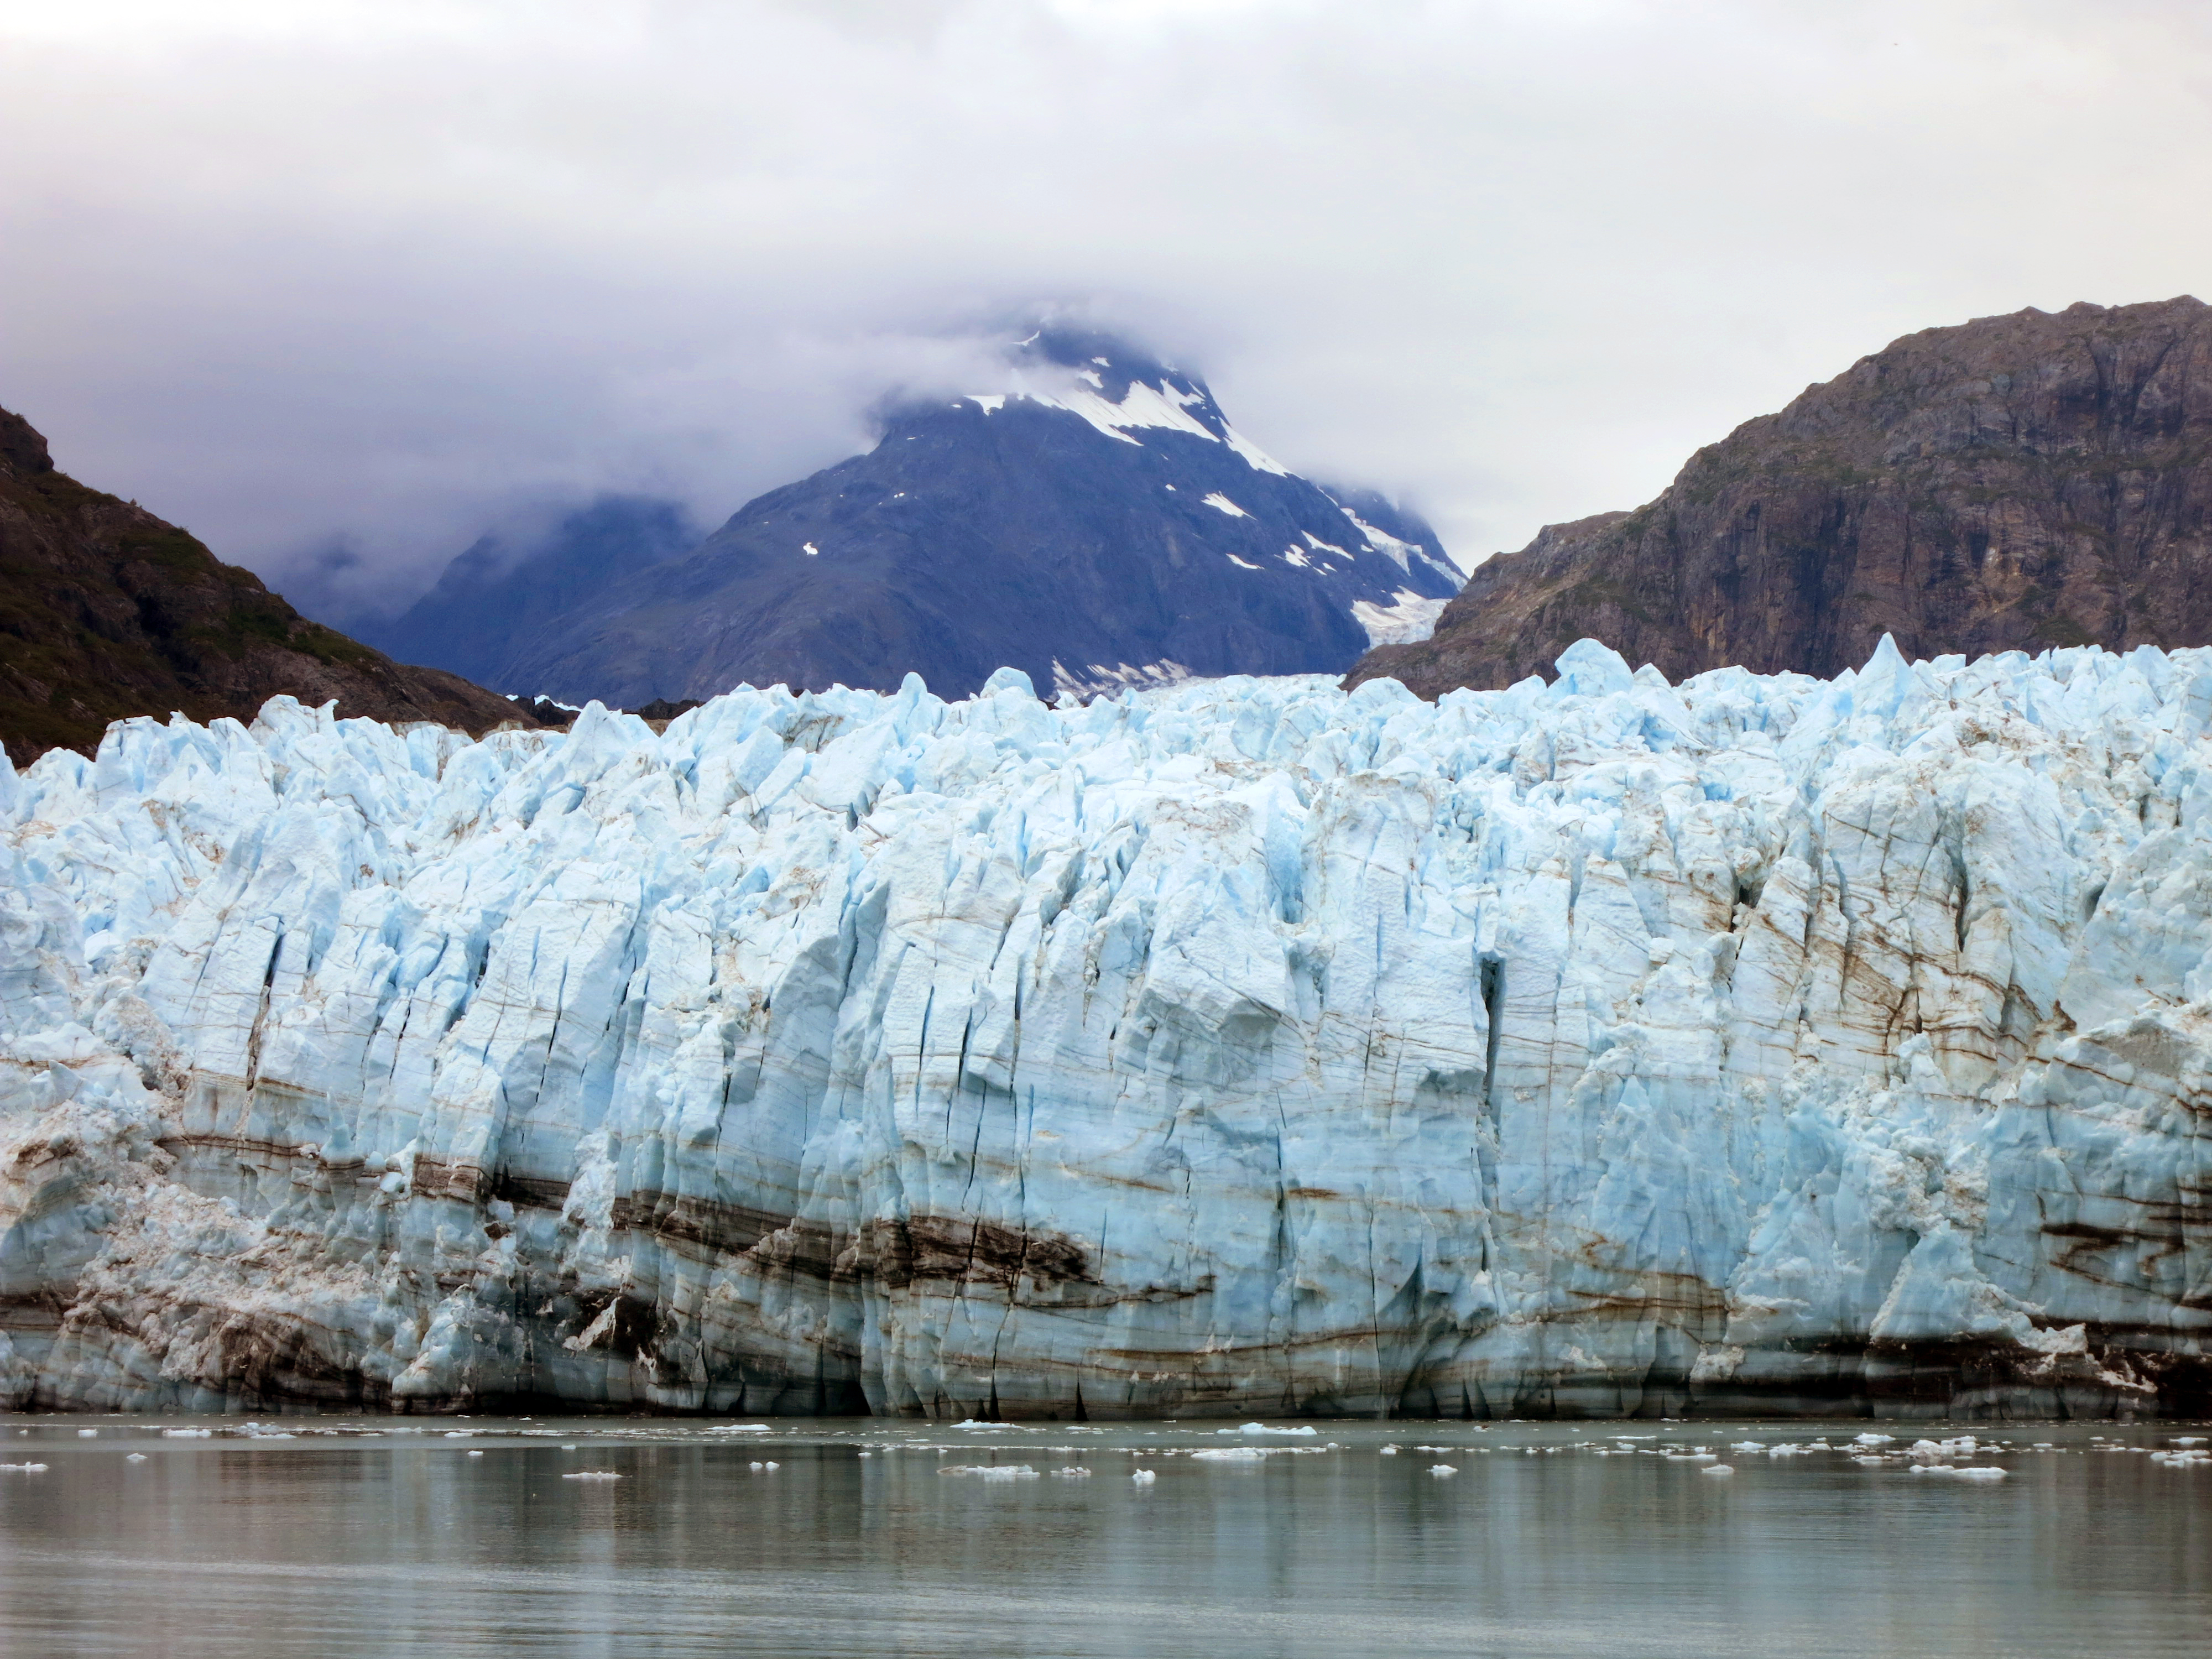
(1242, 1047)
(1408, 617)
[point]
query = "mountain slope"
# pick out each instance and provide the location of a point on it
(2014, 482)
(497, 594)
(1106, 526)
(106, 611)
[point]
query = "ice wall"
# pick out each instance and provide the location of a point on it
(1601, 1047)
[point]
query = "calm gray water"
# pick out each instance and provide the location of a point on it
(350, 1538)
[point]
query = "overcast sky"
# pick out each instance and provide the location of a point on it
(300, 274)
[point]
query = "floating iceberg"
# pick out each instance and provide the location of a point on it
(1242, 1047)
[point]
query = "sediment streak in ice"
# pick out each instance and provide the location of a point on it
(1245, 1046)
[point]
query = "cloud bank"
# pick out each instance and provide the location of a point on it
(375, 276)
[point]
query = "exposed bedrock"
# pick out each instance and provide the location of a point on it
(1607, 1047)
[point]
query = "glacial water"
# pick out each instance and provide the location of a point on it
(336, 1536)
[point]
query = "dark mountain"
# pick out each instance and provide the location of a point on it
(105, 611)
(2018, 482)
(506, 589)
(1105, 527)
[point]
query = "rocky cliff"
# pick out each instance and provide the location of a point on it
(105, 611)
(2015, 482)
(1607, 1047)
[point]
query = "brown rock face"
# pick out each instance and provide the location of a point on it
(105, 611)
(2015, 482)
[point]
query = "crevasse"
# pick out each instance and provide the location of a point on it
(1242, 1047)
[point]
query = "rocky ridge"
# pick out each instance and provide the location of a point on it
(106, 611)
(2013, 483)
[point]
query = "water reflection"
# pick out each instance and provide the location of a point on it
(351, 1538)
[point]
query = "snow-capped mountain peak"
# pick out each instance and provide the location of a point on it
(1094, 521)
(1119, 400)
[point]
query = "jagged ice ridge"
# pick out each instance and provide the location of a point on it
(1242, 1047)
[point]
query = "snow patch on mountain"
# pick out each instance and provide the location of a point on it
(1165, 406)
(1401, 551)
(1409, 618)
(1254, 457)
(1072, 685)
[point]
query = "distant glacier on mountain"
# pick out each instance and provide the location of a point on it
(1603, 1046)
(1099, 525)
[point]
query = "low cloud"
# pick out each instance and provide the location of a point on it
(368, 279)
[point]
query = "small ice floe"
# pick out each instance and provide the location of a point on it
(1983, 1472)
(1748, 1445)
(186, 1434)
(1229, 1454)
(867, 1453)
(26, 1469)
(476, 1454)
(763, 1468)
(1872, 1439)
(1263, 1428)
(88, 1434)
(2185, 1440)
(990, 1471)
(593, 1474)
(136, 1457)
(2187, 1457)
(744, 1428)
(1442, 1469)
(1386, 1451)
(1144, 1477)
(1070, 1472)
(978, 1423)
(1718, 1469)
(1931, 1451)
(569, 1446)
(1870, 1462)
(451, 1434)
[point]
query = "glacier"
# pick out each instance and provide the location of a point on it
(1242, 1047)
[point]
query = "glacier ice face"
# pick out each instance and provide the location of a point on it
(1242, 1047)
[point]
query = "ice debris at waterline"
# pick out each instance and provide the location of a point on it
(1244, 1048)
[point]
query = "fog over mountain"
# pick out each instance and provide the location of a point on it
(375, 279)
(505, 588)
(1101, 525)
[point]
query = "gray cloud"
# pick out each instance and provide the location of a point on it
(375, 276)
